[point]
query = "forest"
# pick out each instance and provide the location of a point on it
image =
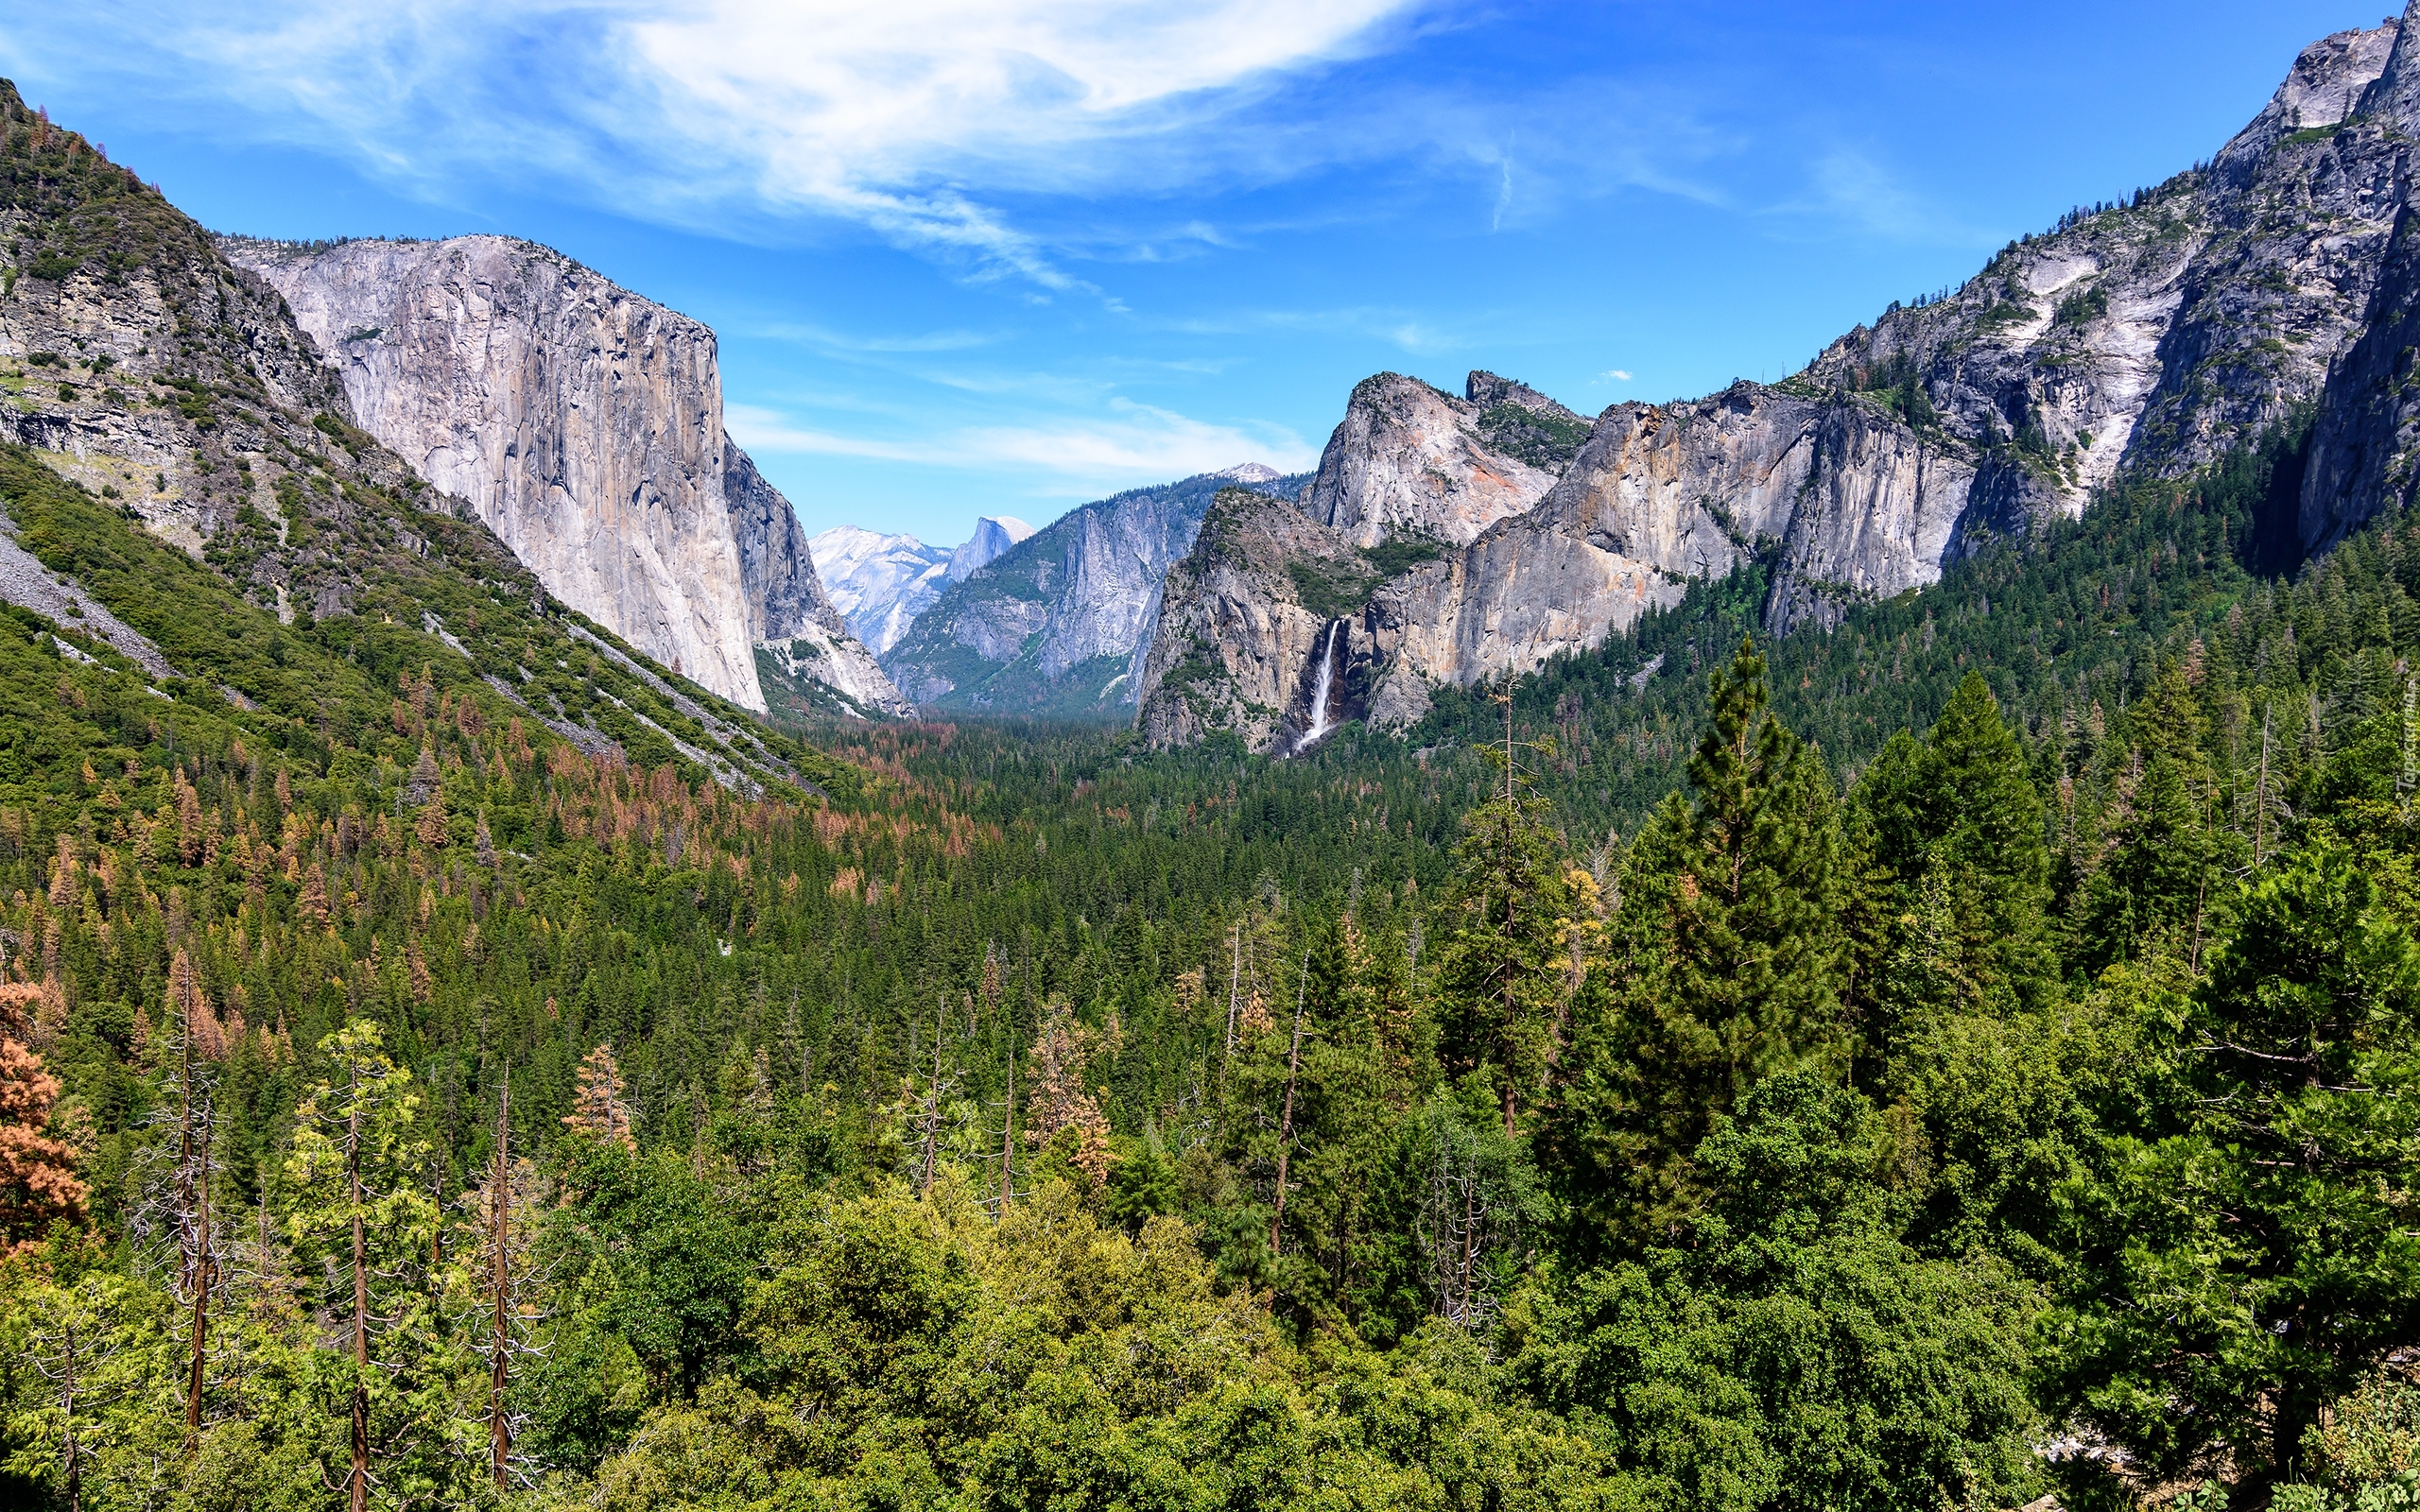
(1959, 1057)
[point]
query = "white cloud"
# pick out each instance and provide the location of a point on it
(1847, 191)
(901, 115)
(1130, 443)
(758, 429)
(1139, 441)
(1616, 375)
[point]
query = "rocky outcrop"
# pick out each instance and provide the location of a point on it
(1062, 623)
(584, 425)
(1410, 460)
(2158, 331)
(879, 582)
(993, 535)
(143, 364)
(800, 639)
(1238, 646)
(2366, 441)
(2149, 334)
(882, 582)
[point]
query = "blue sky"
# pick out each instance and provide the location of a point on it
(999, 257)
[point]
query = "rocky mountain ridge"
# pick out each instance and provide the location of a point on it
(1413, 461)
(584, 425)
(184, 484)
(1062, 623)
(2147, 335)
(880, 583)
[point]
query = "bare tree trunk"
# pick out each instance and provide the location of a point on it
(2260, 791)
(1470, 1241)
(205, 1272)
(1285, 1124)
(193, 1181)
(1235, 983)
(499, 1217)
(74, 1448)
(358, 1488)
(933, 1107)
(1008, 1135)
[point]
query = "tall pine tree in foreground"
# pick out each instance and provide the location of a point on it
(1726, 962)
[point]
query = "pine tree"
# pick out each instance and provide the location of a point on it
(430, 828)
(2254, 1253)
(1948, 876)
(1503, 969)
(2164, 851)
(1727, 962)
(359, 1211)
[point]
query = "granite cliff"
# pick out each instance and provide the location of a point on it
(2152, 334)
(176, 389)
(881, 583)
(1412, 461)
(1062, 623)
(1244, 638)
(584, 425)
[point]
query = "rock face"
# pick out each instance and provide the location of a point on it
(1411, 461)
(1062, 621)
(993, 535)
(150, 368)
(584, 425)
(882, 582)
(801, 643)
(1238, 648)
(2149, 335)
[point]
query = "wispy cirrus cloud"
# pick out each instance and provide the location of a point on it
(912, 117)
(1070, 456)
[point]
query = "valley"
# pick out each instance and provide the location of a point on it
(1847, 942)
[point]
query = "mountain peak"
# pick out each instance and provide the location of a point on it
(994, 534)
(1250, 473)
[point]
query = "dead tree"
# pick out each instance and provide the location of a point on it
(505, 1279)
(175, 1223)
(1285, 1124)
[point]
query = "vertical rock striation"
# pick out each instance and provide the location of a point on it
(1062, 623)
(2150, 334)
(584, 425)
(799, 635)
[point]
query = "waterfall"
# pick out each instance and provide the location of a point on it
(1319, 725)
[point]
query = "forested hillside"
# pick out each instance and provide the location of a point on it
(1960, 1058)
(1370, 1136)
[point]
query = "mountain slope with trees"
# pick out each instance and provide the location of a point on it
(1955, 1058)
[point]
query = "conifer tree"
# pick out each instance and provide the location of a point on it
(1502, 970)
(38, 1181)
(2163, 846)
(1727, 961)
(359, 1214)
(1949, 873)
(2252, 1253)
(598, 1108)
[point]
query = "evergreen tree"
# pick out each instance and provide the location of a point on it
(2164, 850)
(1949, 874)
(1503, 974)
(1727, 963)
(2251, 1255)
(362, 1222)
